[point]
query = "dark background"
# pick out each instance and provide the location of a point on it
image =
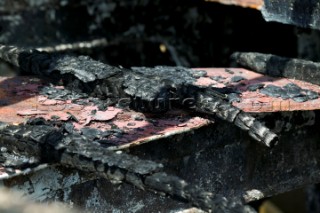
(194, 33)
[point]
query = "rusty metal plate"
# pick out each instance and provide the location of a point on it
(20, 100)
(255, 4)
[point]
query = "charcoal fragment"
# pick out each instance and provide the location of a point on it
(137, 117)
(72, 117)
(234, 97)
(199, 73)
(229, 71)
(273, 91)
(255, 87)
(40, 133)
(68, 127)
(118, 135)
(285, 96)
(37, 121)
(117, 130)
(312, 95)
(62, 94)
(277, 66)
(105, 134)
(80, 102)
(106, 142)
(55, 117)
(217, 78)
(237, 78)
(290, 91)
(292, 86)
(300, 99)
(3, 125)
(225, 90)
(90, 133)
(135, 180)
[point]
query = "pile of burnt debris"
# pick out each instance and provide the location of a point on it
(139, 127)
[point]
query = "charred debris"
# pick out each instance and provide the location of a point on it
(150, 90)
(142, 89)
(39, 141)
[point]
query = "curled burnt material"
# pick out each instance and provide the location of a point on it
(144, 89)
(51, 144)
(209, 103)
(279, 66)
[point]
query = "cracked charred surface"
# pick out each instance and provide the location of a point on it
(260, 172)
(300, 13)
(146, 90)
(277, 66)
(50, 144)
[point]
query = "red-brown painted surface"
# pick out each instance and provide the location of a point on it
(255, 101)
(19, 100)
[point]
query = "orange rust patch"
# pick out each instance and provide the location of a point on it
(255, 4)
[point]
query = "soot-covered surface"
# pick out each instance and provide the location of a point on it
(251, 87)
(29, 97)
(112, 127)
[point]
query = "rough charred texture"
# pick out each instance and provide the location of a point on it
(143, 89)
(290, 90)
(208, 102)
(51, 145)
(28, 152)
(77, 151)
(302, 13)
(280, 66)
(210, 157)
